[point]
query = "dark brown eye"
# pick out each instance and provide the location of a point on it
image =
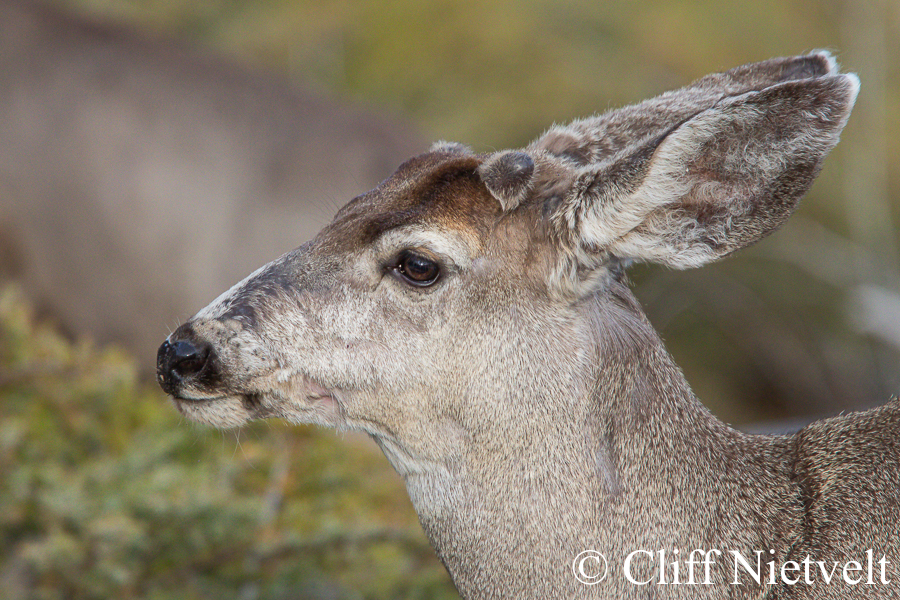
(417, 269)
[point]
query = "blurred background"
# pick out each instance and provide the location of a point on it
(153, 152)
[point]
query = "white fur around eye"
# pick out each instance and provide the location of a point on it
(448, 247)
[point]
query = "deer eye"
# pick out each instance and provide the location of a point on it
(417, 269)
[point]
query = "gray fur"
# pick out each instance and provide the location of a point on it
(530, 407)
(508, 176)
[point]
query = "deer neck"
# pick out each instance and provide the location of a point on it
(635, 463)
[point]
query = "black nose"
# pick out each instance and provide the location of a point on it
(178, 361)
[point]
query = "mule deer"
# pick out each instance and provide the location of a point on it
(471, 314)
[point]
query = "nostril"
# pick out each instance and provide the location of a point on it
(183, 363)
(188, 359)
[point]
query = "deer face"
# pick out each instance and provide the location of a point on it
(418, 315)
(468, 299)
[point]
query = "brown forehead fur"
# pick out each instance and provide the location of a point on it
(438, 188)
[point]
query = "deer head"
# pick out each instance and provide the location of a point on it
(470, 312)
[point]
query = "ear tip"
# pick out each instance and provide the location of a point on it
(826, 57)
(844, 88)
(815, 65)
(852, 82)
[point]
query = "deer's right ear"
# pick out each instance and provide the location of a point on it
(708, 185)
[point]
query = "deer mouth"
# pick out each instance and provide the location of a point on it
(300, 401)
(252, 402)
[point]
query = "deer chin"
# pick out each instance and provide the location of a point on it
(223, 412)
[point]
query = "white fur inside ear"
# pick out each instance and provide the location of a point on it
(668, 181)
(658, 223)
(721, 180)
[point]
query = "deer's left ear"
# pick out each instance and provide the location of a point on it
(716, 182)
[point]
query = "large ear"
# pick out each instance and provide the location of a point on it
(597, 138)
(720, 179)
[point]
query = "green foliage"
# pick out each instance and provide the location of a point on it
(107, 493)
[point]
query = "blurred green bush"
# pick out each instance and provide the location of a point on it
(107, 493)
